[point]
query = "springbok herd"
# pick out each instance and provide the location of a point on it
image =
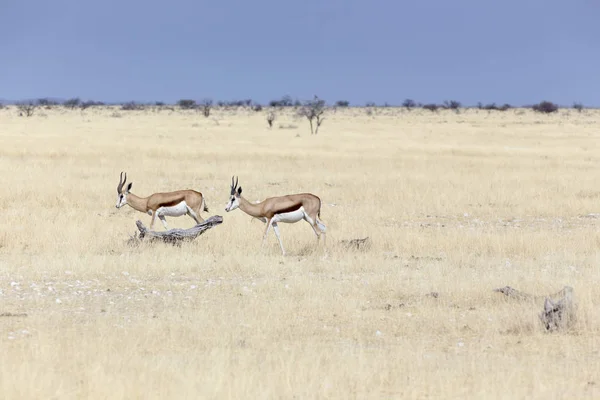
(288, 209)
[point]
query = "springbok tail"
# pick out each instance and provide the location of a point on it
(204, 206)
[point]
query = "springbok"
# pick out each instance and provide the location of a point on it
(161, 205)
(288, 209)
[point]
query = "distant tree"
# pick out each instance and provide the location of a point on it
(72, 103)
(46, 102)
(578, 106)
(206, 106)
(545, 107)
(90, 103)
(159, 103)
(132, 106)
(270, 119)
(257, 107)
(285, 101)
(409, 104)
(431, 107)
(186, 104)
(504, 107)
(370, 104)
(26, 108)
(452, 105)
(342, 103)
(313, 110)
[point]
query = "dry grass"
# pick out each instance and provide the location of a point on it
(453, 204)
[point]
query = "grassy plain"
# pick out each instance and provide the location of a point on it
(457, 204)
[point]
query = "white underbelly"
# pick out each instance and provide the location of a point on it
(290, 217)
(174, 211)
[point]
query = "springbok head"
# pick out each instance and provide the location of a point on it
(122, 194)
(234, 199)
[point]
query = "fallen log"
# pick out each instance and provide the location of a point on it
(559, 308)
(177, 235)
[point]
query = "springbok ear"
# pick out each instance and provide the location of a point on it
(240, 190)
(129, 186)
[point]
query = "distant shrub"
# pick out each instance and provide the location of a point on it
(270, 119)
(235, 103)
(285, 101)
(46, 102)
(409, 104)
(206, 106)
(186, 104)
(431, 107)
(342, 103)
(90, 103)
(159, 103)
(370, 104)
(578, 106)
(257, 107)
(26, 108)
(132, 106)
(504, 107)
(72, 103)
(452, 104)
(545, 107)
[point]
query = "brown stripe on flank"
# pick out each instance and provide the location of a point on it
(171, 203)
(295, 207)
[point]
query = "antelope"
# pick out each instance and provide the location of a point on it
(161, 205)
(288, 209)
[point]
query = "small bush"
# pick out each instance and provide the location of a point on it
(72, 103)
(452, 104)
(257, 107)
(285, 101)
(186, 104)
(46, 102)
(26, 108)
(206, 106)
(409, 104)
(90, 103)
(370, 104)
(431, 107)
(132, 106)
(578, 106)
(159, 103)
(545, 107)
(270, 119)
(342, 103)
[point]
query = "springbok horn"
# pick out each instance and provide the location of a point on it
(120, 185)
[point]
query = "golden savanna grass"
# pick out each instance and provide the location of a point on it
(456, 204)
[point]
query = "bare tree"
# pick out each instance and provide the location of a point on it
(26, 108)
(206, 106)
(72, 103)
(409, 104)
(270, 119)
(313, 110)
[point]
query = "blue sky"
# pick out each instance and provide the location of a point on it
(519, 52)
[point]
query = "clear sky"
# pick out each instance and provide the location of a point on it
(519, 52)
